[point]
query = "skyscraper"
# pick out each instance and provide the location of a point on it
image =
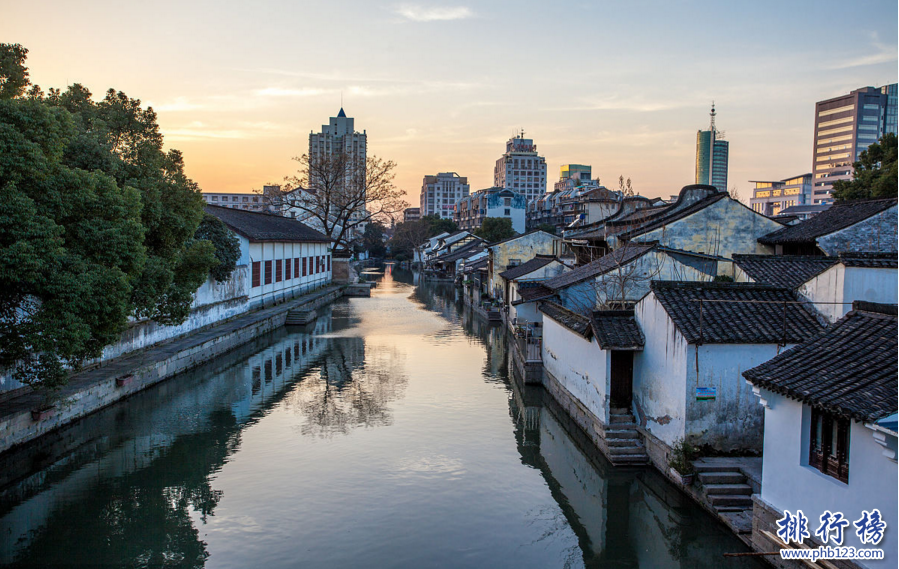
(520, 169)
(440, 193)
(844, 127)
(711, 156)
(339, 135)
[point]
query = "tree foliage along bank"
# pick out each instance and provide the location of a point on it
(874, 174)
(97, 223)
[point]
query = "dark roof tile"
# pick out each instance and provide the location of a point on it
(617, 330)
(735, 313)
(604, 264)
(850, 369)
(537, 262)
(257, 226)
(783, 270)
(839, 216)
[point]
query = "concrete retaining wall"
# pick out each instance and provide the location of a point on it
(94, 389)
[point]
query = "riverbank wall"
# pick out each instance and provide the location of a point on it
(116, 379)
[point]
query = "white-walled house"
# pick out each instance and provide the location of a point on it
(284, 257)
(514, 251)
(588, 364)
(859, 225)
(536, 270)
(830, 430)
(699, 338)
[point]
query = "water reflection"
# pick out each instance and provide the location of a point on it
(387, 433)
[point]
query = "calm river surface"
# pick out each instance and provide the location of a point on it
(390, 433)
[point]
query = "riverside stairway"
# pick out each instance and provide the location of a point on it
(727, 490)
(623, 440)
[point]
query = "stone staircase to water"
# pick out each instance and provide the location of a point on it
(623, 440)
(725, 489)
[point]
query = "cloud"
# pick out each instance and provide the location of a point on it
(280, 92)
(884, 54)
(179, 104)
(415, 13)
(615, 103)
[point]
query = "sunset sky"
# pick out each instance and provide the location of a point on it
(622, 86)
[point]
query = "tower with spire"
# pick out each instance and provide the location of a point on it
(340, 135)
(712, 155)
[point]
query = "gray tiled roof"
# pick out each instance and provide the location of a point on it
(870, 260)
(839, 216)
(850, 369)
(604, 264)
(617, 330)
(257, 226)
(735, 313)
(674, 213)
(577, 323)
(783, 270)
(532, 265)
(462, 252)
(532, 293)
(471, 267)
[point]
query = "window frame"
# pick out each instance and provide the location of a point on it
(828, 456)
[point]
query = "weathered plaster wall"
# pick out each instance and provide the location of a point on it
(579, 365)
(723, 228)
(660, 372)
(789, 483)
(733, 420)
(523, 248)
(843, 285)
(877, 233)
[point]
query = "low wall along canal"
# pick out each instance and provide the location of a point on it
(388, 433)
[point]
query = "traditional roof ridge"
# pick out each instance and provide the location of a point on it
(835, 218)
(528, 266)
(783, 270)
(875, 308)
(602, 265)
(673, 214)
(617, 329)
(848, 369)
(260, 226)
(507, 239)
(735, 313)
(577, 323)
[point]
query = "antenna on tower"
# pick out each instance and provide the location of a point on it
(712, 114)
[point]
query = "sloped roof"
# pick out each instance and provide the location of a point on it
(849, 370)
(257, 226)
(479, 264)
(788, 271)
(617, 330)
(674, 213)
(520, 235)
(870, 260)
(604, 264)
(532, 293)
(735, 313)
(465, 251)
(839, 216)
(537, 262)
(577, 323)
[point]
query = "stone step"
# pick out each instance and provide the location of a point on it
(621, 442)
(722, 478)
(726, 500)
(622, 434)
(700, 466)
(722, 509)
(619, 411)
(626, 450)
(732, 489)
(619, 419)
(629, 459)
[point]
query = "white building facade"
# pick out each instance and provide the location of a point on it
(520, 169)
(440, 193)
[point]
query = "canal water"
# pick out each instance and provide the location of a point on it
(389, 433)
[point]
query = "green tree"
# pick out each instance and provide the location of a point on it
(13, 73)
(97, 224)
(495, 229)
(227, 246)
(547, 227)
(373, 240)
(875, 173)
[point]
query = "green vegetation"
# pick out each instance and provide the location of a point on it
(875, 173)
(495, 229)
(548, 228)
(227, 246)
(373, 240)
(97, 223)
(682, 456)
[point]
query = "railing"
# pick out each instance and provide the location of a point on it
(530, 348)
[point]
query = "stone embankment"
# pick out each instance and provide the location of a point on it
(95, 388)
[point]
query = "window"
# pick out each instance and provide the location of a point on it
(268, 272)
(829, 445)
(278, 269)
(257, 269)
(296, 268)
(304, 266)
(286, 269)
(329, 262)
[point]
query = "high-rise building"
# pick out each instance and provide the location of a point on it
(471, 211)
(520, 169)
(844, 127)
(339, 135)
(770, 197)
(441, 192)
(711, 156)
(574, 176)
(411, 214)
